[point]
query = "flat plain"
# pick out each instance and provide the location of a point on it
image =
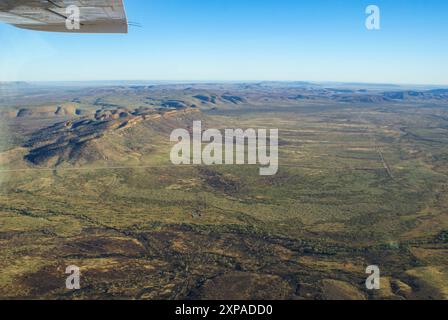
(86, 180)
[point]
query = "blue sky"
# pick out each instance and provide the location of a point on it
(314, 40)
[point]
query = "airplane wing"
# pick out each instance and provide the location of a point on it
(95, 16)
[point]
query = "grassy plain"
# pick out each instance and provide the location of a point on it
(358, 185)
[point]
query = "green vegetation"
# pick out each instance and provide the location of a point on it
(358, 184)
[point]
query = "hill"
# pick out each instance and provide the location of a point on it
(101, 136)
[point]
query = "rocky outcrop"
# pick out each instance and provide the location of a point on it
(84, 138)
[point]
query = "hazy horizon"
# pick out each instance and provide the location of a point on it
(213, 81)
